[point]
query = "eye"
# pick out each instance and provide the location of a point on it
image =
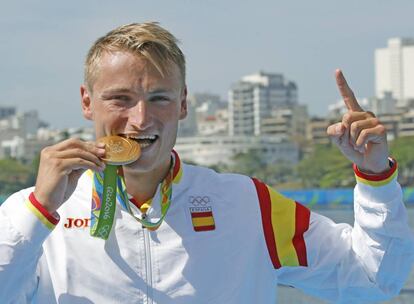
(159, 98)
(121, 97)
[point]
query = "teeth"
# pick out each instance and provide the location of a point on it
(143, 145)
(142, 137)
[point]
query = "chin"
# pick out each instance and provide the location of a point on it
(142, 165)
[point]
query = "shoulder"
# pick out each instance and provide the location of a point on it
(19, 196)
(205, 177)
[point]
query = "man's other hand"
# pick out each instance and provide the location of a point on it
(360, 135)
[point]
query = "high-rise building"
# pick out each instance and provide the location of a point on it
(6, 112)
(394, 70)
(254, 98)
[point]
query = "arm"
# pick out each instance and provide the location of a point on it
(360, 264)
(24, 225)
(370, 261)
(27, 218)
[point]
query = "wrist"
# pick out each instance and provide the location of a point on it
(379, 170)
(44, 202)
(377, 179)
(51, 215)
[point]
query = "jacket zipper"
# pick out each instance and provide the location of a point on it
(148, 268)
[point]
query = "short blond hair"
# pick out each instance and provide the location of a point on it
(148, 40)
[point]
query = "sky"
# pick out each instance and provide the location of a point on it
(43, 45)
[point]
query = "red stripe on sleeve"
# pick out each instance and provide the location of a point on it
(266, 208)
(54, 220)
(377, 177)
(302, 218)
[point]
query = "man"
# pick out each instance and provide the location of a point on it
(226, 238)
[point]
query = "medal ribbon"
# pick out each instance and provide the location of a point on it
(103, 210)
(109, 187)
(165, 201)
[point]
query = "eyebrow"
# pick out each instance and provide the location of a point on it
(116, 91)
(159, 91)
(126, 90)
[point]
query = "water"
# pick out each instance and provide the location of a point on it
(294, 296)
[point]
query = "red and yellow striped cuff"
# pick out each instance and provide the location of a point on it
(284, 223)
(377, 180)
(49, 220)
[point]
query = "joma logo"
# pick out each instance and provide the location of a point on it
(77, 222)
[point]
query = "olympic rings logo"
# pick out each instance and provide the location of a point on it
(199, 200)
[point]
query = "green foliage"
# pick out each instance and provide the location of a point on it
(402, 149)
(326, 167)
(252, 164)
(13, 176)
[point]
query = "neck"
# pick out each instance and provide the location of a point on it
(143, 185)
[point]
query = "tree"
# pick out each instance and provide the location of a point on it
(254, 164)
(13, 176)
(326, 167)
(402, 149)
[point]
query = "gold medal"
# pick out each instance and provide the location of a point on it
(120, 150)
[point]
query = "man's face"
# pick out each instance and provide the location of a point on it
(130, 97)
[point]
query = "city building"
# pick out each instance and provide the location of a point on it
(394, 70)
(290, 122)
(338, 109)
(188, 125)
(7, 111)
(385, 104)
(214, 124)
(23, 149)
(254, 98)
(316, 132)
(207, 115)
(406, 126)
(216, 150)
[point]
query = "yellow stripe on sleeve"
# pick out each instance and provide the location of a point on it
(283, 222)
(39, 215)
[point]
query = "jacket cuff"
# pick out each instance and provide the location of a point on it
(32, 220)
(377, 180)
(48, 219)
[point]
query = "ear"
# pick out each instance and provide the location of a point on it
(183, 113)
(86, 103)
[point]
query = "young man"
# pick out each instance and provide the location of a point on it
(225, 239)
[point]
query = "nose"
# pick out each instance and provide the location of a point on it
(140, 116)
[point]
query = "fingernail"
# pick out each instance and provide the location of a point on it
(100, 145)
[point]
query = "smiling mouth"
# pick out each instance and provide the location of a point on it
(143, 140)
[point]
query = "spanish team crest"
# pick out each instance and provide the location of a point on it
(201, 213)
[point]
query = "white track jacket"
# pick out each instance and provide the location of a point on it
(227, 239)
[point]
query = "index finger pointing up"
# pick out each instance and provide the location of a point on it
(346, 92)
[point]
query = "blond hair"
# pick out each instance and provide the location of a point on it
(148, 40)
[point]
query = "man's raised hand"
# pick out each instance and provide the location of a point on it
(360, 135)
